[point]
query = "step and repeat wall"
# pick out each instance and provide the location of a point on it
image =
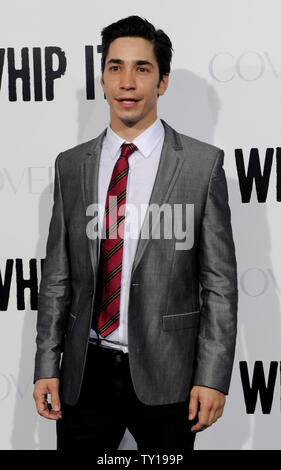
(224, 89)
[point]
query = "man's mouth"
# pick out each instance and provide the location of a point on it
(128, 98)
(128, 101)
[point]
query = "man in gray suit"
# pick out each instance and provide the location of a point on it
(136, 332)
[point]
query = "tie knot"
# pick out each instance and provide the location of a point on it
(127, 149)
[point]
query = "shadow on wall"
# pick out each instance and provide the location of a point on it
(258, 335)
(191, 106)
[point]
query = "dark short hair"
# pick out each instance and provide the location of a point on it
(134, 26)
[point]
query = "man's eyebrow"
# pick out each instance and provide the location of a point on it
(137, 62)
(115, 61)
(144, 62)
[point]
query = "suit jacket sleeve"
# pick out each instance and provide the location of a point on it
(54, 293)
(218, 279)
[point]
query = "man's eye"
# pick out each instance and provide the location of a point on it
(114, 67)
(142, 69)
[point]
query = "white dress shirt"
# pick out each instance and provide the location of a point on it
(143, 166)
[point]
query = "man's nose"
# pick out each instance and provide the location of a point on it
(127, 80)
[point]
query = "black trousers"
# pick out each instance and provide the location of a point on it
(108, 405)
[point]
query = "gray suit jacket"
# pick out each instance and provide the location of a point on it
(182, 304)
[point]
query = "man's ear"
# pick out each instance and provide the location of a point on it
(163, 85)
(102, 84)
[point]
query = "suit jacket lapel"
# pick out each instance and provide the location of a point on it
(89, 185)
(169, 167)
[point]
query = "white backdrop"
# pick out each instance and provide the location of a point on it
(224, 89)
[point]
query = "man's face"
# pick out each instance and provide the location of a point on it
(130, 82)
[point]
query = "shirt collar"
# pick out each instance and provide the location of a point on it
(146, 141)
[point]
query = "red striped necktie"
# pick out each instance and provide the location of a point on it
(111, 251)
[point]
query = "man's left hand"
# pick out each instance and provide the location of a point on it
(211, 406)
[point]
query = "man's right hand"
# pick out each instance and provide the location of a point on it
(42, 388)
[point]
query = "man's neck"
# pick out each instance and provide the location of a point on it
(130, 133)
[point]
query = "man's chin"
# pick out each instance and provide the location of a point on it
(130, 122)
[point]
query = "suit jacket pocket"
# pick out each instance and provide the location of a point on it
(180, 321)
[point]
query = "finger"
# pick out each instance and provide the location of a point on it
(55, 414)
(193, 406)
(43, 407)
(216, 413)
(50, 414)
(40, 398)
(198, 427)
(55, 399)
(41, 403)
(220, 411)
(212, 416)
(203, 419)
(55, 411)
